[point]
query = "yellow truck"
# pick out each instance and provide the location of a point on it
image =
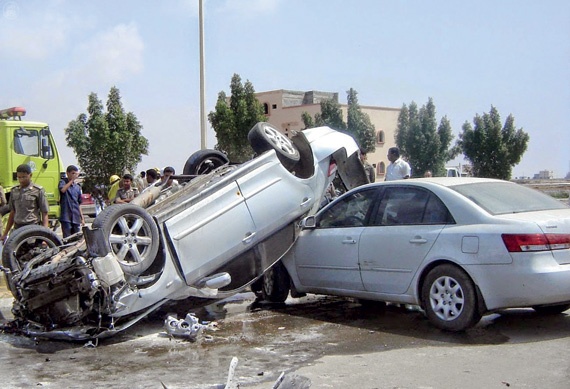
(32, 143)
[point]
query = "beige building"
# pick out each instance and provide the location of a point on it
(285, 107)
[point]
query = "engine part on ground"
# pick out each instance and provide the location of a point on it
(188, 327)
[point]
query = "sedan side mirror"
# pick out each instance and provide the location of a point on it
(310, 222)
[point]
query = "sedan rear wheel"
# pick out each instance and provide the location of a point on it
(449, 298)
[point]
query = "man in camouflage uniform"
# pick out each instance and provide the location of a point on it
(27, 203)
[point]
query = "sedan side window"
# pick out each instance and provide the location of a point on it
(408, 206)
(350, 211)
(436, 212)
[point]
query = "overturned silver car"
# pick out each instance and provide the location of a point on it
(209, 239)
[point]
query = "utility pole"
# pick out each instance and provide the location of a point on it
(202, 80)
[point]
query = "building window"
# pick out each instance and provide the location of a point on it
(381, 168)
(274, 106)
(380, 136)
(266, 108)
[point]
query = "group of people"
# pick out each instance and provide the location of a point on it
(125, 189)
(28, 205)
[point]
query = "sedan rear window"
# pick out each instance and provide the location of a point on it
(500, 198)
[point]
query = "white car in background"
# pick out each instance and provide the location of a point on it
(457, 247)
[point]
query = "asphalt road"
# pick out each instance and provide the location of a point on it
(317, 342)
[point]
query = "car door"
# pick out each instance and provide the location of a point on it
(273, 195)
(404, 226)
(327, 256)
(212, 231)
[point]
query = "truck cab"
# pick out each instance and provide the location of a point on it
(31, 143)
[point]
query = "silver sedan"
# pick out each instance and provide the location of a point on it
(457, 247)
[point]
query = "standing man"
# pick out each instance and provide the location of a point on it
(27, 204)
(127, 193)
(152, 178)
(71, 217)
(370, 172)
(398, 168)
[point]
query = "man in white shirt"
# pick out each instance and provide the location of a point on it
(398, 168)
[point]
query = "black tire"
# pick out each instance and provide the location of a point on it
(276, 284)
(257, 287)
(204, 161)
(132, 235)
(551, 309)
(263, 137)
(24, 244)
(449, 298)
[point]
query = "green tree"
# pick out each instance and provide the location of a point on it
(232, 120)
(308, 120)
(359, 124)
(492, 149)
(106, 143)
(422, 142)
(330, 116)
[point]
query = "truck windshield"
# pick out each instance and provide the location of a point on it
(33, 143)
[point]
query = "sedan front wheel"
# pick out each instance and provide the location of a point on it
(449, 298)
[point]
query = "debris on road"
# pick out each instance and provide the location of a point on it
(189, 327)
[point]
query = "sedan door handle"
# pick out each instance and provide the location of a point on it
(306, 201)
(349, 241)
(418, 239)
(248, 238)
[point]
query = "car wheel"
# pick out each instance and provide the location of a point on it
(257, 287)
(132, 235)
(276, 284)
(24, 244)
(263, 137)
(551, 309)
(449, 298)
(204, 161)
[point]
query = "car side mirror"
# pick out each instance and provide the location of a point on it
(309, 222)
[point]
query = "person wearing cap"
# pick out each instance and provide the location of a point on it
(71, 216)
(115, 183)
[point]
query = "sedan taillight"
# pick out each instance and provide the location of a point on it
(536, 242)
(332, 168)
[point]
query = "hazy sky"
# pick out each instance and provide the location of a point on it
(466, 55)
